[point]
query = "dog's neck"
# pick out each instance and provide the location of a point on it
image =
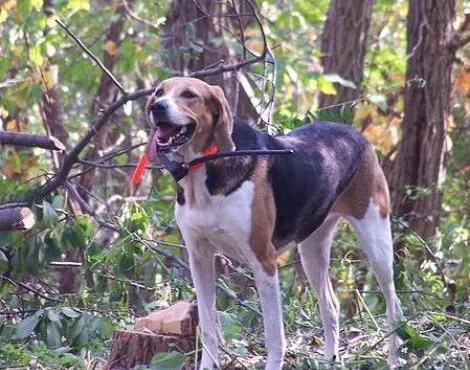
(221, 176)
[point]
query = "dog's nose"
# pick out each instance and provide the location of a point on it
(159, 108)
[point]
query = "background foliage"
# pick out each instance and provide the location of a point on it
(116, 277)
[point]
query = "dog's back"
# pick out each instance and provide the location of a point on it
(307, 183)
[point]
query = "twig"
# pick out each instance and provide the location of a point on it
(391, 332)
(127, 281)
(463, 321)
(92, 56)
(214, 360)
(186, 267)
(88, 209)
(65, 264)
(32, 290)
(134, 16)
(428, 249)
(367, 310)
(237, 66)
(226, 68)
(114, 166)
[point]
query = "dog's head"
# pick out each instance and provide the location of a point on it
(189, 114)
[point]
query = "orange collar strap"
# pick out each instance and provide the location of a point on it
(211, 149)
(180, 170)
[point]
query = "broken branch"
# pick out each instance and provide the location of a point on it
(30, 140)
(20, 218)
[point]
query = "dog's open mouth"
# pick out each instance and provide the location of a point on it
(169, 135)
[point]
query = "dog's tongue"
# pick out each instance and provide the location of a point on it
(166, 129)
(152, 146)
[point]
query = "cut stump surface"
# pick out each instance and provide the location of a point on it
(170, 329)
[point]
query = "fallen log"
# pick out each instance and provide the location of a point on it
(18, 218)
(170, 329)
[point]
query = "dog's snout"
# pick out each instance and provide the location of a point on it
(159, 107)
(160, 110)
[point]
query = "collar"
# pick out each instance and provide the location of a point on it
(177, 169)
(180, 169)
(211, 149)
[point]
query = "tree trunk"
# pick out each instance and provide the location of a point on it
(343, 46)
(421, 157)
(198, 31)
(105, 95)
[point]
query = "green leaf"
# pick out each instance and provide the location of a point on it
(49, 214)
(413, 339)
(76, 5)
(326, 87)
(3, 257)
(35, 54)
(78, 327)
(70, 312)
(28, 325)
(24, 8)
(333, 77)
(230, 325)
(53, 335)
(54, 317)
(380, 101)
(167, 361)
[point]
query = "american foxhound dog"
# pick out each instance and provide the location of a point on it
(252, 208)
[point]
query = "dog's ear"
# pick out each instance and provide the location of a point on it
(223, 120)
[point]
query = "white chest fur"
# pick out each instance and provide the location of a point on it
(222, 221)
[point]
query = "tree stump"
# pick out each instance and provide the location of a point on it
(173, 328)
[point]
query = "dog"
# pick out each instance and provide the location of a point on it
(252, 208)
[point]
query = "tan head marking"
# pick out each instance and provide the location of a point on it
(203, 108)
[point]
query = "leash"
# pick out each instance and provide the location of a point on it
(180, 169)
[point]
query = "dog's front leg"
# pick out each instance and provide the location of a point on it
(201, 261)
(270, 298)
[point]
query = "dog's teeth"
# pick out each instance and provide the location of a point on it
(183, 130)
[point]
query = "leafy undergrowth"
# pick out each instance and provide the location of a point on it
(43, 328)
(435, 336)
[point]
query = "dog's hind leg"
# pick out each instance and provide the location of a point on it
(202, 263)
(315, 256)
(375, 234)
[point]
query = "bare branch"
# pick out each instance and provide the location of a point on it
(226, 68)
(13, 205)
(72, 157)
(21, 218)
(87, 208)
(135, 17)
(114, 166)
(30, 140)
(29, 289)
(92, 56)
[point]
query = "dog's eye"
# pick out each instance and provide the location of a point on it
(188, 94)
(158, 93)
